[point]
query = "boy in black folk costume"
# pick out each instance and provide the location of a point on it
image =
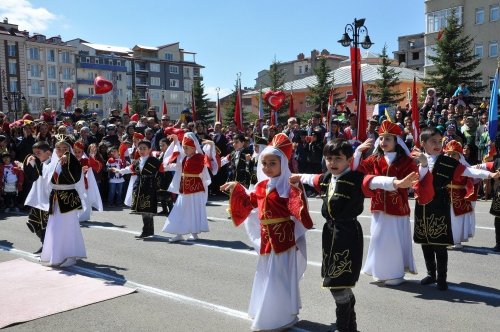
(432, 208)
(259, 144)
(237, 162)
(144, 195)
(343, 192)
(33, 167)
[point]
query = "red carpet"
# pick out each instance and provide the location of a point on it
(29, 291)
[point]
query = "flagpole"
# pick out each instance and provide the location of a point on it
(217, 114)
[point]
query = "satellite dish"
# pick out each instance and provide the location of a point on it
(402, 64)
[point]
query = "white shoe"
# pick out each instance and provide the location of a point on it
(176, 238)
(394, 282)
(193, 237)
(68, 262)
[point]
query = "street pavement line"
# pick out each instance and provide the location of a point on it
(153, 290)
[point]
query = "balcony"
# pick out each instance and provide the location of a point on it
(100, 66)
(90, 97)
(141, 83)
(84, 81)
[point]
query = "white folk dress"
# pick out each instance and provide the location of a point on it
(390, 252)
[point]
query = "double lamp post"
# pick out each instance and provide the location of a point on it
(16, 98)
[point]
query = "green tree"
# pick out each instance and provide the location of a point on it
(386, 91)
(454, 62)
(319, 93)
(85, 106)
(201, 102)
(136, 103)
(277, 79)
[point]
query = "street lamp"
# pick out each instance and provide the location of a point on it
(16, 97)
(356, 29)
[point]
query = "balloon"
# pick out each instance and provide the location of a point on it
(102, 85)
(68, 96)
(275, 99)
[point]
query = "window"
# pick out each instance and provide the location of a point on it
(66, 74)
(36, 88)
(478, 50)
(91, 91)
(187, 72)
(169, 56)
(51, 55)
(155, 81)
(479, 16)
(13, 85)
(300, 70)
(494, 13)
(173, 69)
(110, 62)
(154, 95)
(415, 55)
(401, 58)
(11, 49)
(119, 77)
(493, 49)
(118, 63)
(438, 20)
(408, 94)
(12, 67)
(154, 67)
(369, 95)
(429, 51)
(51, 71)
(109, 76)
(128, 65)
(173, 110)
(35, 70)
(174, 96)
(87, 59)
(97, 61)
(129, 80)
(65, 57)
(174, 83)
(478, 83)
(188, 85)
(90, 76)
(52, 89)
(34, 53)
(306, 69)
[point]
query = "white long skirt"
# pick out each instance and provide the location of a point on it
(63, 238)
(84, 215)
(463, 227)
(390, 253)
(189, 215)
(275, 300)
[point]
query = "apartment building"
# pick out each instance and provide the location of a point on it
(165, 73)
(300, 68)
(113, 63)
(480, 20)
(411, 51)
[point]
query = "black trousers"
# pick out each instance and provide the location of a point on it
(148, 227)
(497, 230)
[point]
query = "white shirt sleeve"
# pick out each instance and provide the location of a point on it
(476, 173)
(125, 170)
(422, 171)
(307, 179)
(382, 182)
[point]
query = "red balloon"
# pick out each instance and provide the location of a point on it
(102, 85)
(68, 96)
(275, 99)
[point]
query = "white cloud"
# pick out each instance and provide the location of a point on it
(22, 13)
(211, 92)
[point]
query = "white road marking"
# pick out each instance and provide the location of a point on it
(153, 290)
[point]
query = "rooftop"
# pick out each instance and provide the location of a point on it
(109, 48)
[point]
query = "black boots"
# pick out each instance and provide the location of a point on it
(346, 317)
(436, 260)
(442, 267)
(148, 228)
(430, 264)
(497, 234)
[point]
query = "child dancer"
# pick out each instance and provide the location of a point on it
(190, 183)
(164, 179)
(343, 193)
(432, 209)
(279, 239)
(89, 166)
(63, 242)
(33, 169)
(390, 251)
(259, 144)
(237, 162)
(144, 199)
(115, 179)
(462, 194)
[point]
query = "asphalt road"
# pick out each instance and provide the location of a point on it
(205, 285)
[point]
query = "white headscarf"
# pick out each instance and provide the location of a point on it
(399, 141)
(281, 182)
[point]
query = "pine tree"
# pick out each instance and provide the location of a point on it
(386, 91)
(319, 93)
(228, 107)
(201, 103)
(454, 61)
(277, 84)
(136, 103)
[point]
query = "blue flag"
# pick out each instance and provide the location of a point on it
(493, 111)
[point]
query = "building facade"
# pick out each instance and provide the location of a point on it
(411, 51)
(480, 20)
(299, 68)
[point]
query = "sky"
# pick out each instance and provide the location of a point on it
(229, 37)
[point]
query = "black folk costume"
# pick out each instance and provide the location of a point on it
(433, 216)
(37, 218)
(237, 169)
